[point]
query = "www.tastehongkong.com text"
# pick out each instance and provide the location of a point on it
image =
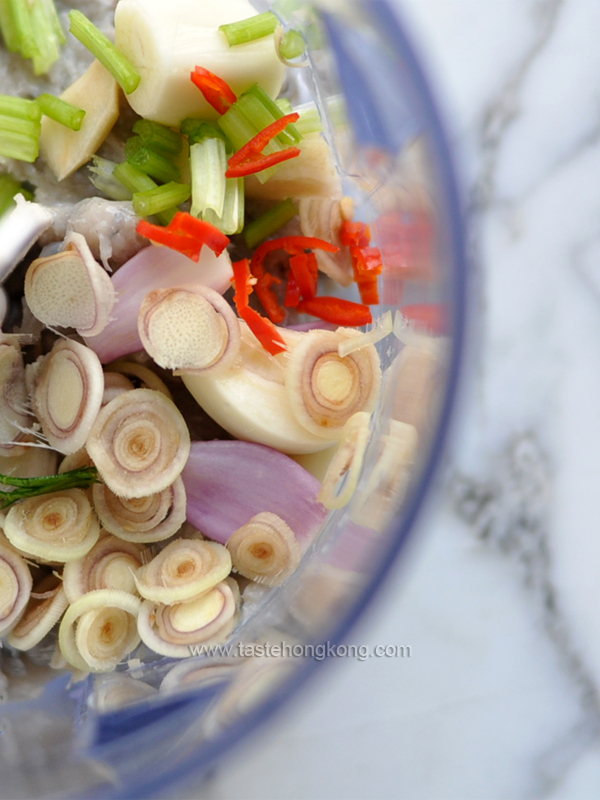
(319, 652)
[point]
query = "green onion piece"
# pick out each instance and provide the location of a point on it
(155, 165)
(19, 145)
(132, 145)
(162, 198)
(137, 181)
(250, 105)
(232, 219)
(81, 478)
(158, 137)
(21, 18)
(9, 187)
(101, 175)
(247, 30)
(284, 104)
(292, 45)
(19, 107)
(48, 35)
(196, 130)
(208, 164)
(61, 111)
(269, 222)
(27, 127)
(310, 121)
(104, 50)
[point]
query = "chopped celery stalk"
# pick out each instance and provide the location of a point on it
(247, 30)
(284, 105)
(232, 219)
(19, 145)
(158, 137)
(208, 163)
(8, 28)
(28, 127)
(239, 131)
(61, 111)
(268, 223)
(196, 130)
(19, 11)
(48, 35)
(132, 145)
(310, 121)
(19, 107)
(9, 187)
(289, 136)
(292, 45)
(155, 165)
(101, 175)
(162, 198)
(137, 181)
(104, 50)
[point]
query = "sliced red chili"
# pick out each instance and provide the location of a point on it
(250, 158)
(203, 232)
(264, 330)
(188, 245)
(216, 91)
(292, 245)
(356, 234)
(257, 163)
(242, 280)
(366, 260)
(292, 295)
(303, 271)
(337, 311)
(266, 295)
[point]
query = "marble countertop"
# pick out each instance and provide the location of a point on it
(500, 599)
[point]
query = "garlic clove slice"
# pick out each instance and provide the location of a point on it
(70, 289)
(13, 398)
(41, 614)
(15, 587)
(67, 394)
(99, 629)
(323, 389)
(184, 569)
(142, 519)
(265, 549)
(139, 443)
(57, 527)
(110, 564)
(344, 469)
(189, 328)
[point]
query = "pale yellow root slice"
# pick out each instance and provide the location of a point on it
(97, 93)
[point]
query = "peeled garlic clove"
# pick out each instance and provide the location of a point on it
(265, 549)
(345, 467)
(185, 568)
(325, 390)
(67, 395)
(110, 564)
(41, 615)
(172, 630)
(139, 443)
(99, 630)
(142, 519)
(189, 328)
(70, 289)
(15, 587)
(54, 527)
(13, 397)
(323, 218)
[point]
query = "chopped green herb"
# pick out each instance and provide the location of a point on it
(161, 198)
(158, 137)
(81, 478)
(61, 111)
(247, 30)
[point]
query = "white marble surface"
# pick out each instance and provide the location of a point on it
(500, 601)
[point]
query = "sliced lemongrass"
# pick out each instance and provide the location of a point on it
(77, 460)
(139, 443)
(184, 569)
(70, 289)
(142, 519)
(110, 564)
(405, 331)
(189, 328)
(144, 375)
(114, 385)
(13, 396)
(323, 217)
(99, 630)
(324, 390)
(15, 587)
(265, 549)
(382, 327)
(204, 672)
(101, 175)
(57, 527)
(208, 164)
(171, 630)
(345, 466)
(46, 605)
(68, 394)
(113, 692)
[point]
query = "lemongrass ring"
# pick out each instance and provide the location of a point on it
(115, 384)
(70, 289)
(185, 568)
(15, 587)
(110, 564)
(13, 397)
(172, 630)
(265, 549)
(147, 378)
(344, 469)
(142, 519)
(46, 605)
(139, 443)
(68, 394)
(57, 527)
(382, 328)
(189, 328)
(99, 630)
(324, 390)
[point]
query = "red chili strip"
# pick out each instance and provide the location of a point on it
(203, 232)
(266, 295)
(303, 272)
(355, 234)
(292, 295)
(337, 311)
(250, 158)
(216, 91)
(242, 280)
(187, 245)
(264, 330)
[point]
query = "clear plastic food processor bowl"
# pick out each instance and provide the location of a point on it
(149, 727)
